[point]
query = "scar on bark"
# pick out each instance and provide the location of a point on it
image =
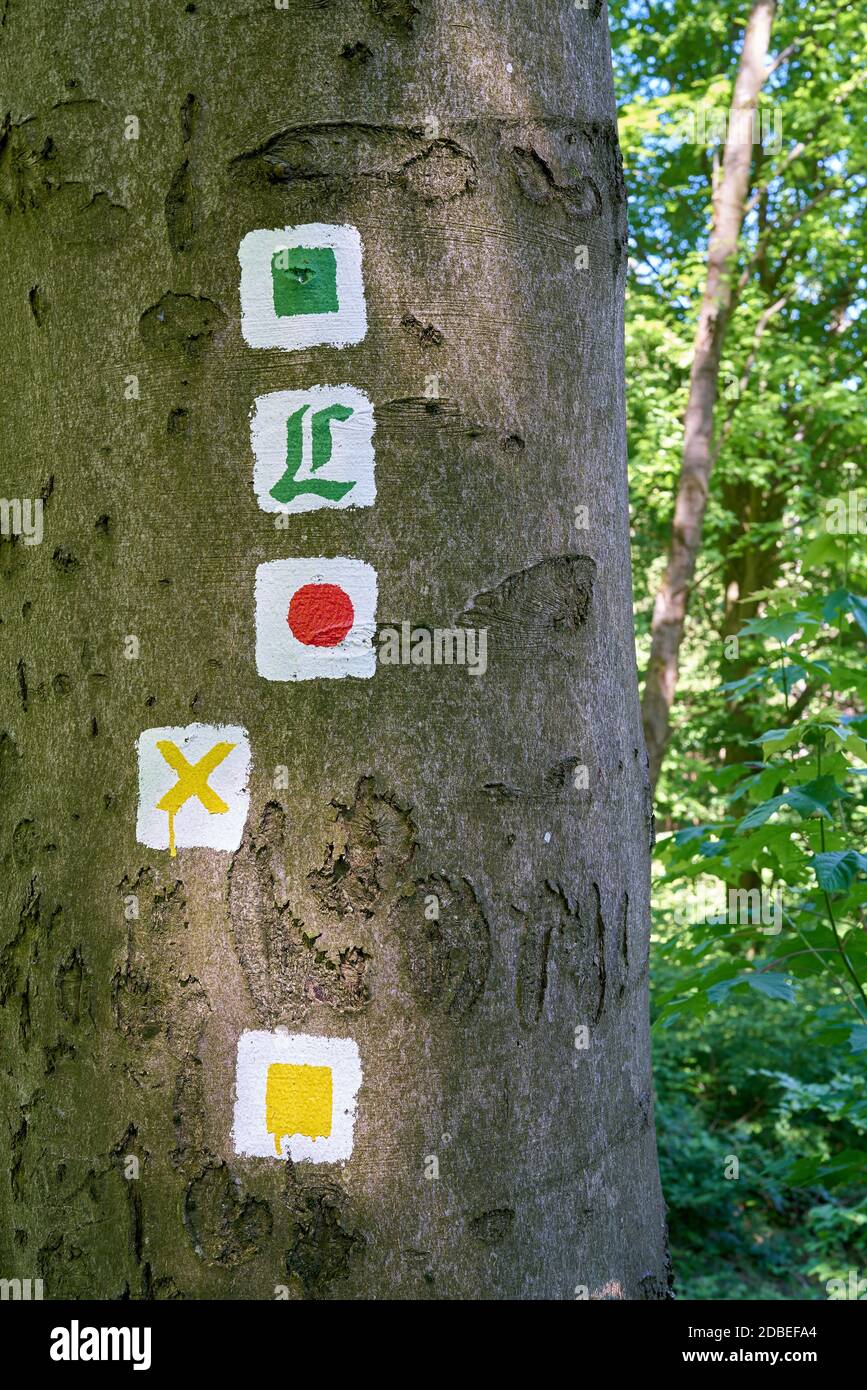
(28, 174)
(179, 209)
(532, 979)
(431, 169)
(538, 606)
(155, 1001)
(179, 204)
(583, 940)
(548, 785)
(624, 945)
(578, 195)
(189, 116)
(225, 1224)
(24, 843)
(363, 864)
(599, 956)
(38, 305)
(69, 983)
(288, 965)
(548, 909)
(490, 1227)
(447, 943)
(324, 1241)
(398, 14)
(356, 53)
(425, 334)
(182, 325)
(8, 761)
(17, 957)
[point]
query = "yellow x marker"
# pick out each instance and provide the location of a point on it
(192, 781)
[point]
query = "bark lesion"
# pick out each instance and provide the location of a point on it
(157, 1004)
(537, 607)
(447, 943)
(182, 324)
(225, 1224)
(340, 152)
(374, 842)
(290, 966)
(577, 194)
(399, 15)
(325, 1243)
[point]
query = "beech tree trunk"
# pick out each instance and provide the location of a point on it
(669, 612)
(504, 1143)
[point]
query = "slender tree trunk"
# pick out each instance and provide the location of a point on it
(426, 872)
(669, 612)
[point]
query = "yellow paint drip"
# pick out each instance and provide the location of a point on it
(298, 1100)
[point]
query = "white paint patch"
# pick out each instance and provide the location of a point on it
(257, 1052)
(289, 453)
(280, 656)
(261, 324)
(193, 825)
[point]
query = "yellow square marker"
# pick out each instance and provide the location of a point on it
(298, 1100)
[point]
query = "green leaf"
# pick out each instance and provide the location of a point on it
(858, 609)
(842, 1170)
(767, 982)
(810, 799)
(777, 740)
(851, 741)
(781, 628)
(836, 869)
(772, 984)
(858, 1037)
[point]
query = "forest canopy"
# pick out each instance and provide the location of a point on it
(760, 954)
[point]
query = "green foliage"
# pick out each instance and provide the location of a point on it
(793, 1217)
(759, 957)
(783, 859)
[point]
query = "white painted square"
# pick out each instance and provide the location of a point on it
(260, 324)
(285, 586)
(194, 825)
(256, 1052)
(351, 440)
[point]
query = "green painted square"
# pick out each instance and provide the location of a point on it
(305, 280)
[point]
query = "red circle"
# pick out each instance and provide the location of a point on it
(320, 615)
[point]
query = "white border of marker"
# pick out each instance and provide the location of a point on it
(260, 324)
(256, 1052)
(279, 654)
(194, 826)
(352, 457)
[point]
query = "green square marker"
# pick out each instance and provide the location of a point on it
(305, 280)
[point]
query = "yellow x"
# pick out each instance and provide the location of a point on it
(192, 781)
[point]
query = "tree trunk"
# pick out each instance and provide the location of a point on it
(426, 874)
(669, 612)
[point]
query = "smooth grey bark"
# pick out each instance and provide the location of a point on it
(474, 146)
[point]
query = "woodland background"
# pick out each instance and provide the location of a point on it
(760, 1039)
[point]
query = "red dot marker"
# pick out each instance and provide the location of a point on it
(320, 615)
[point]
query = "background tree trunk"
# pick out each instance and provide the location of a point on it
(669, 611)
(474, 146)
